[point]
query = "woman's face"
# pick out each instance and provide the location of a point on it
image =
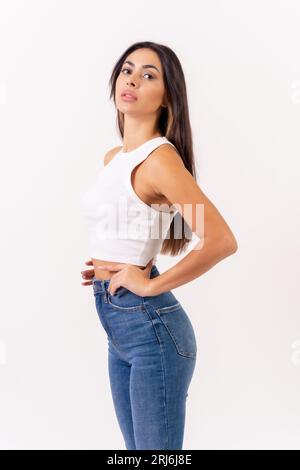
(146, 83)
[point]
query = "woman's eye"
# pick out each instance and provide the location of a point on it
(123, 70)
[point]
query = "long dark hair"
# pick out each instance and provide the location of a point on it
(173, 123)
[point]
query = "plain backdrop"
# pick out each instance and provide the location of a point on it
(242, 67)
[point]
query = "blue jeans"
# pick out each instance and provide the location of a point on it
(151, 359)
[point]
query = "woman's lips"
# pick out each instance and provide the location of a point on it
(128, 98)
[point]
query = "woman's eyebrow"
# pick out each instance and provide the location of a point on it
(147, 66)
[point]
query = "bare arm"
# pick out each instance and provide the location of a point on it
(170, 178)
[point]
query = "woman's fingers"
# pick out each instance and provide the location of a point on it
(88, 273)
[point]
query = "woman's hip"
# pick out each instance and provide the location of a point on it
(140, 323)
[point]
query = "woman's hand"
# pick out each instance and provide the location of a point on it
(88, 274)
(131, 277)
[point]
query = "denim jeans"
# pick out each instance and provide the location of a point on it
(151, 359)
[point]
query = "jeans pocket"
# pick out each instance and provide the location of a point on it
(125, 300)
(180, 328)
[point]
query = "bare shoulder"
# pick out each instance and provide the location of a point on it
(166, 171)
(165, 157)
(110, 154)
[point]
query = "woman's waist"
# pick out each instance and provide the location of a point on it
(102, 274)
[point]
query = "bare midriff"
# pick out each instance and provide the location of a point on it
(103, 274)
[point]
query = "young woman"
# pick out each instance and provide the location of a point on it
(151, 342)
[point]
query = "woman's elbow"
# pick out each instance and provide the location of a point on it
(222, 245)
(230, 245)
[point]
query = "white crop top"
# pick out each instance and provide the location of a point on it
(121, 227)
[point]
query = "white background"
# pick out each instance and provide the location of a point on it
(242, 67)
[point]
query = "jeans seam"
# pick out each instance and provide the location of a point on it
(164, 375)
(169, 308)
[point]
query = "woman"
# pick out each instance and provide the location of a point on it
(151, 342)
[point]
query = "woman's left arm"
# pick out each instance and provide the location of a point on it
(170, 178)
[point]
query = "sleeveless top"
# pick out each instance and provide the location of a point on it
(120, 226)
